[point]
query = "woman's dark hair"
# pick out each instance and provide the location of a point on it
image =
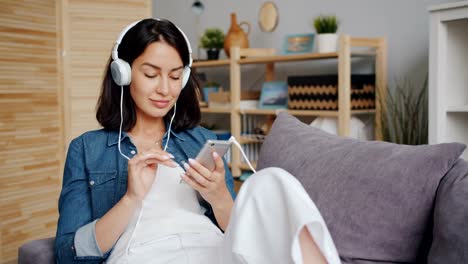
(133, 45)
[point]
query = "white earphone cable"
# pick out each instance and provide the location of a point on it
(170, 125)
(233, 140)
(121, 122)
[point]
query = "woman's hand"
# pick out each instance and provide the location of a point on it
(212, 187)
(142, 172)
(210, 184)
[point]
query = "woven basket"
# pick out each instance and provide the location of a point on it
(320, 92)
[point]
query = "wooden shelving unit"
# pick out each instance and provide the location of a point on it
(375, 48)
(300, 112)
(248, 140)
(210, 63)
(216, 110)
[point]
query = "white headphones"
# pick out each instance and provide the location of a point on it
(121, 71)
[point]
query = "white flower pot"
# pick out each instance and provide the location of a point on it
(327, 42)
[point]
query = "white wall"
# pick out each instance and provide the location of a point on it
(403, 22)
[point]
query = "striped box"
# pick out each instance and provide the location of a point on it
(319, 92)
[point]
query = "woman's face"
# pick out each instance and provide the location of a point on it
(156, 80)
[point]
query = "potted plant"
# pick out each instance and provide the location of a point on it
(212, 40)
(326, 27)
(404, 116)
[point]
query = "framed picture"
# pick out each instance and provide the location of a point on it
(299, 43)
(274, 95)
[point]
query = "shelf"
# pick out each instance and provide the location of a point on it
(215, 110)
(302, 57)
(211, 63)
(250, 140)
(447, 6)
(286, 58)
(363, 112)
(358, 54)
(302, 112)
(245, 166)
(459, 108)
(261, 111)
(313, 113)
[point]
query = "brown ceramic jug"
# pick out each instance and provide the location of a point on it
(236, 36)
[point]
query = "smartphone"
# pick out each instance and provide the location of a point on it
(205, 157)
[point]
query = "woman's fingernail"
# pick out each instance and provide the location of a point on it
(215, 155)
(186, 166)
(191, 161)
(174, 163)
(171, 156)
(182, 178)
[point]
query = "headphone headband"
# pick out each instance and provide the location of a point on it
(121, 70)
(115, 53)
(188, 46)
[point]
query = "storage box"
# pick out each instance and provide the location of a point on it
(222, 99)
(320, 92)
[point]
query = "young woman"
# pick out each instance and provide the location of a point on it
(133, 194)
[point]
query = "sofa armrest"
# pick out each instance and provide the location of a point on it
(450, 241)
(37, 251)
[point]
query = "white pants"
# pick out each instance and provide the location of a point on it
(269, 212)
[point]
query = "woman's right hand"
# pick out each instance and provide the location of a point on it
(142, 172)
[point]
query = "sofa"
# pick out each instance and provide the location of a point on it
(382, 202)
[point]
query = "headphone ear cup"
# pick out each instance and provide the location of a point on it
(185, 76)
(121, 72)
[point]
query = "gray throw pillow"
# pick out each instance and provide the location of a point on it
(376, 197)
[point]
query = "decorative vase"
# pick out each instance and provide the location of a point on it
(236, 36)
(327, 42)
(212, 54)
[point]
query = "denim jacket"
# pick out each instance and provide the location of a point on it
(95, 179)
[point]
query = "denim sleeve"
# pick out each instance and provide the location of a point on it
(229, 180)
(74, 207)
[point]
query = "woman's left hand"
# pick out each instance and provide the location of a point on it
(210, 184)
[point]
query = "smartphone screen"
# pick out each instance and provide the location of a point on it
(205, 155)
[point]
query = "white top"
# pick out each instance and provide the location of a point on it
(170, 207)
(448, 6)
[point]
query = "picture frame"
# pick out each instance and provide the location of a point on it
(274, 95)
(299, 43)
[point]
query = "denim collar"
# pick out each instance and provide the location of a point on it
(113, 137)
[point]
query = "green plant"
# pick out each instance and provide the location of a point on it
(405, 114)
(326, 24)
(212, 38)
(211, 84)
